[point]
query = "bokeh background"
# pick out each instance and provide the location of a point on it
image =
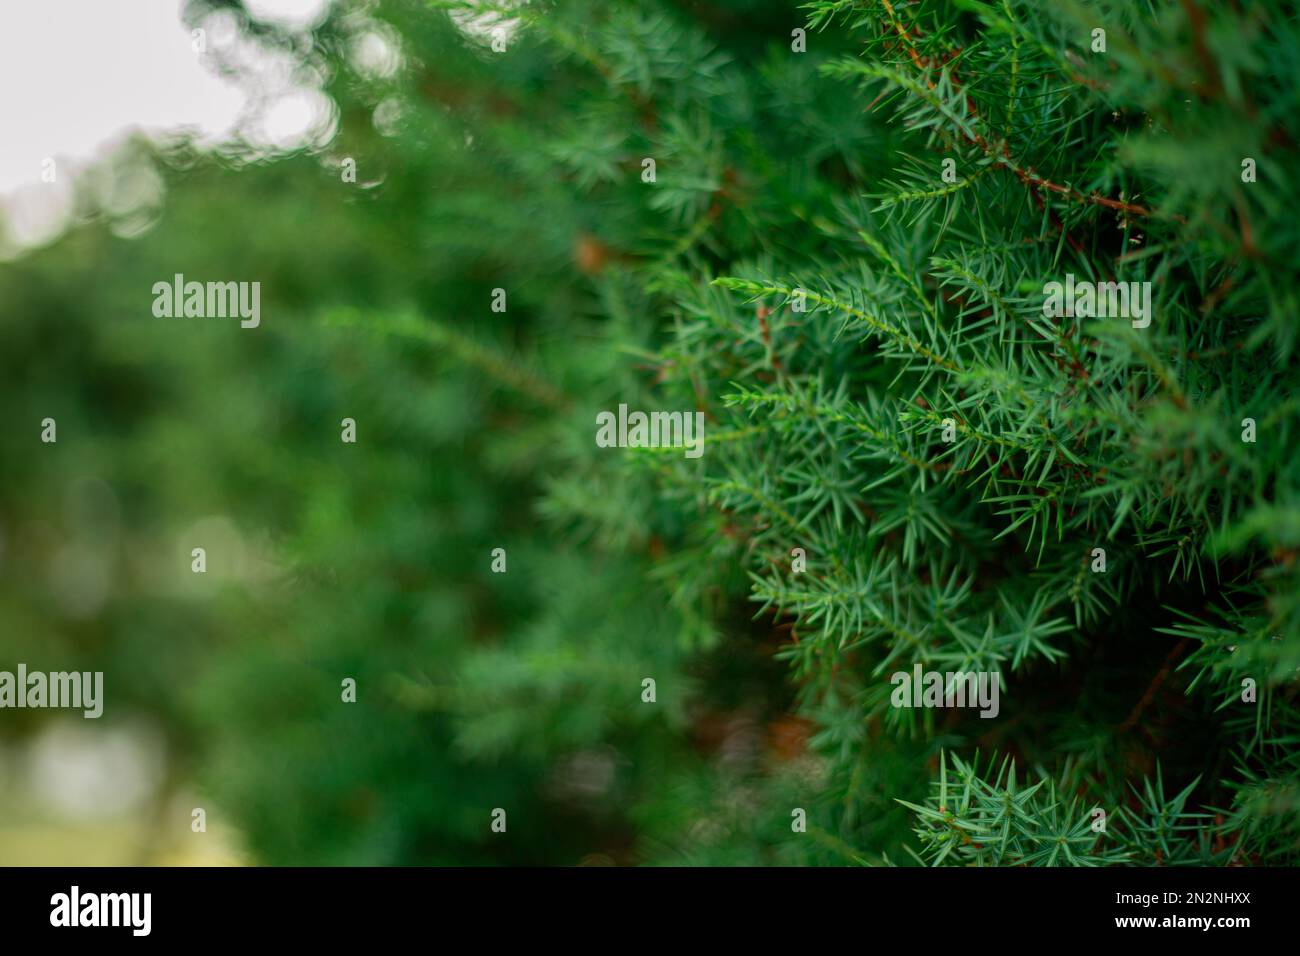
(370, 560)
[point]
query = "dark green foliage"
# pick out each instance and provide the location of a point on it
(782, 178)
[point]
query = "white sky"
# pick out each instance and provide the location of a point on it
(78, 76)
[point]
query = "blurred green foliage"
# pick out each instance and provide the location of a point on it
(329, 560)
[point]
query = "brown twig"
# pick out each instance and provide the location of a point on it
(1154, 686)
(1025, 174)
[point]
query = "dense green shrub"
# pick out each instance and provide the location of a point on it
(802, 271)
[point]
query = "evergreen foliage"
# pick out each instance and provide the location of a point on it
(801, 272)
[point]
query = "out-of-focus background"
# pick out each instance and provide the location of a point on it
(143, 139)
(90, 92)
